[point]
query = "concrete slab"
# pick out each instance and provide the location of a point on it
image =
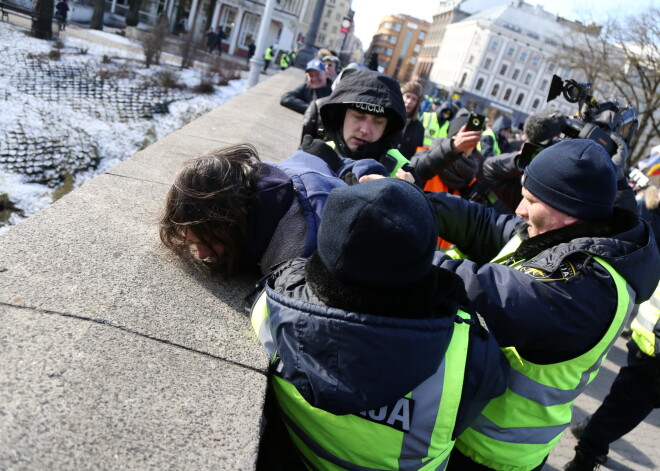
(79, 394)
(99, 256)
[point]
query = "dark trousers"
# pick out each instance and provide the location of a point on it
(267, 63)
(459, 462)
(635, 392)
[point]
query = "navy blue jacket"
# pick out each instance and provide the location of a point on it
(347, 362)
(560, 301)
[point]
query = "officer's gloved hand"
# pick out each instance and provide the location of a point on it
(371, 150)
(625, 196)
(320, 149)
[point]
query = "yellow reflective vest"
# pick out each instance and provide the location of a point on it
(381, 439)
(496, 145)
(645, 325)
(432, 128)
(517, 430)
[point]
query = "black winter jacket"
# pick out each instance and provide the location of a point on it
(300, 97)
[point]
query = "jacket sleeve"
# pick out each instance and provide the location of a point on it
(478, 231)
(549, 319)
(502, 175)
(296, 99)
(429, 163)
(487, 146)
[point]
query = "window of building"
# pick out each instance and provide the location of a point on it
(487, 63)
(388, 52)
(551, 66)
(507, 94)
(520, 98)
(480, 83)
(227, 21)
(392, 40)
(417, 48)
(511, 51)
(463, 78)
(536, 104)
(334, 30)
(477, 39)
(421, 36)
(528, 78)
(495, 90)
(397, 27)
(544, 85)
(320, 38)
(516, 74)
(338, 17)
(387, 25)
(470, 59)
(503, 69)
(413, 60)
(536, 60)
(523, 56)
(494, 44)
(249, 30)
(328, 12)
(325, 26)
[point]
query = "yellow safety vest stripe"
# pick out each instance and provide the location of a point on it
(644, 325)
(496, 145)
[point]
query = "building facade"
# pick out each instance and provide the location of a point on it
(398, 43)
(501, 60)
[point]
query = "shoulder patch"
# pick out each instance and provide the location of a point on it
(565, 271)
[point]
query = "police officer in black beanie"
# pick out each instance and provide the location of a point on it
(555, 284)
(376, 361)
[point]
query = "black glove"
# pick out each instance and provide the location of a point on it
(323, 151)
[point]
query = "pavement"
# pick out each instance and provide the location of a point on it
(116, 355)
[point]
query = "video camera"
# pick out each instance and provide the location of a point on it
(595, 121)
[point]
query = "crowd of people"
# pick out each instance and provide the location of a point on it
(430, 299)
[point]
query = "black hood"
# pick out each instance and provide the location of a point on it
(372, 88)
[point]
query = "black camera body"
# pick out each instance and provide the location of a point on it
(594, 120)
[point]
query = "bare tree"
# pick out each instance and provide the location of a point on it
(133, 12)
(97, 15)
(623, 61)
(42, 24)
(153, 41)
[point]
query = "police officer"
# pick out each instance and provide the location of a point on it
(436, 122)
(285, 61)
(268, 56)
(495, 141)
(376, 365)
(565, 274)
(635, 392)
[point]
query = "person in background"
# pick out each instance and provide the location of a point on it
(251, 48)
(495, 140)
(219, 36)
(62, 12)
(436, 122)
(413, 132)
(314, 87)
(332, 67)
(555, 285)
(268, 56)
(376, 362)
(285, 61)
(211, 39)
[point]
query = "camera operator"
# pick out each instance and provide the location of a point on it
(502, 174)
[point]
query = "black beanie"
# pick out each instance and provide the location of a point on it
(379, 233)
(575, 176)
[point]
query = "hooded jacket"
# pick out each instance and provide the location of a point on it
(486, 146)
(348, 362)
(558, 302)
(372, 88)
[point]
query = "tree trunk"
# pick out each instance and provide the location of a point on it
(97, 16)
(42, 25)
(133, 13)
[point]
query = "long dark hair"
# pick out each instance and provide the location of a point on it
(211, 196)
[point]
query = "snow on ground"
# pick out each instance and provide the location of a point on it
(64, 105)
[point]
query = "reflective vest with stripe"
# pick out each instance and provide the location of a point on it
(496, 145)
(432, 129)
(392, 161)
(285, 61)
(268, 55)
(517, 430)
(645, 325)
(381, 439)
